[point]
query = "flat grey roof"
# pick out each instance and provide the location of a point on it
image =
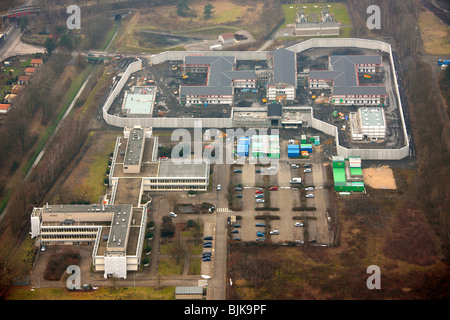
(140, 100)
(184, 170)
(119, 227)
(372, 117)
(135, 144)
(188, 290)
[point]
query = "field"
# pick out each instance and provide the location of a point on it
(435, 34)
(125, 293)
(228, 16)
(85, 181)
(338, 9)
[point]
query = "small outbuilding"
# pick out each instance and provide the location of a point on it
(188, 293)
(227, 38)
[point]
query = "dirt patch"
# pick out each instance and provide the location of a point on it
(380, 178)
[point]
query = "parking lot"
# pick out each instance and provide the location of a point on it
(283, 207)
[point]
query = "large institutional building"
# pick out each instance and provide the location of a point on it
(116, 228)
(342, 80)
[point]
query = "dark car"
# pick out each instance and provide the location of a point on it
(238, 189)
(206, 259)
(260, 225)
(237, 239)
(208, 238)
(239, 195)
(237, 171)
(207, 242)
(207, 246)
(237, 226)
(235, 231)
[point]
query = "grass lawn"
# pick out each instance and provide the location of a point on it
(86, 178)
(121, 293)
(168, 266)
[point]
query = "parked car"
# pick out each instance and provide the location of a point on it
(219, 187)
(206, 259)
(43, 248)
(274, 232)
(294, 166)
(173, 214)
(309, 195)
(208, 238)
(260, 234)
(307, 170)
(260, 239)
(239, 195)
(207, 242)
(237, 239)
(259, 224)
(207, 246)
(309, 189)
(298, 224)
(235, 231)
(259, 196)
(206, 254)
(259, 191)
(237, 171)
(260, 201)
(274, 188)
(258, 171)
(236, 226)
(272, 169)
(307, 165)
(238, 189)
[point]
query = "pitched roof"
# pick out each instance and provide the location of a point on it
(221, 74)
(284, 69)
(344, 73)
(39, 61)
(228, 35)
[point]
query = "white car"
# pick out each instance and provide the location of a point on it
(173, 214)
(307, 170)
(260, 201)
(219, 187)
(309, 189)
(274, 232)
(299, 224)
(310, 195)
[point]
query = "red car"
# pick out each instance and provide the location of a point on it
(259, 191)
(273, 188)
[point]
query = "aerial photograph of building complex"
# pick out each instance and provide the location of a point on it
(230, 151)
